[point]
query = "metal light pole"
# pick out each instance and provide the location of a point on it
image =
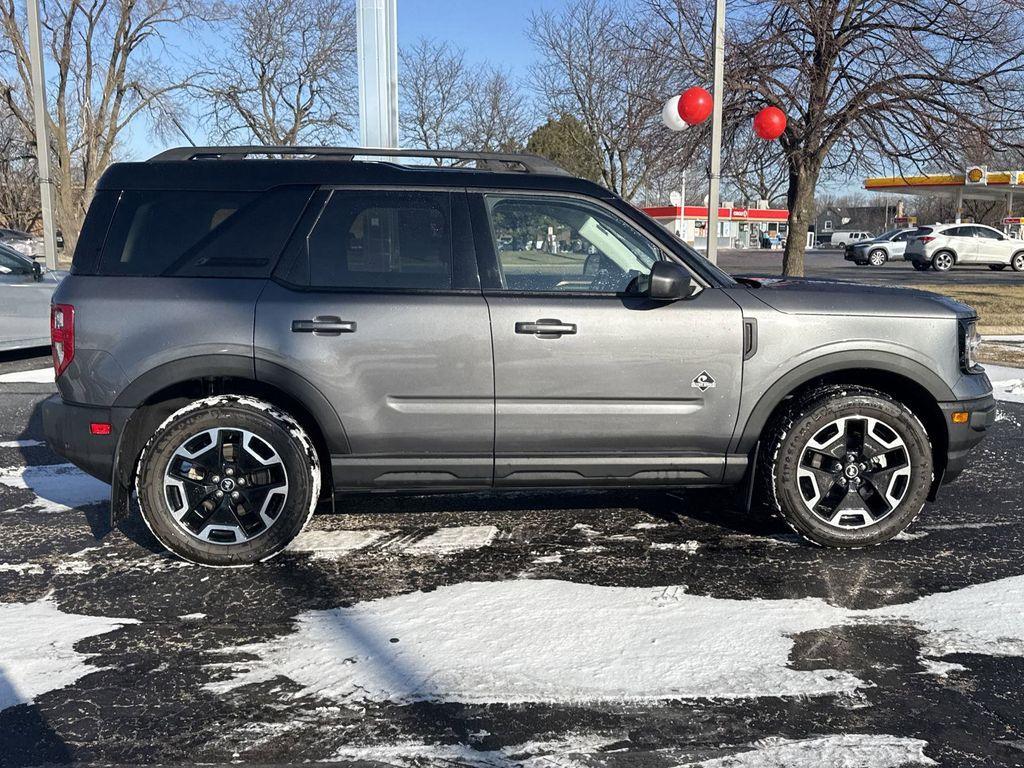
(716, 131)
(35, 45)
(377, 57)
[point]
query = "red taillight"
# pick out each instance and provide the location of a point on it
(926, 239)
(62, 336)
(99, 428)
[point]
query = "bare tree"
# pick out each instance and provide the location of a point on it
(104, 72)
(286, 75)
(19, 182)
(496, 116)
(865, 81)
(433, 82)
(590, 69)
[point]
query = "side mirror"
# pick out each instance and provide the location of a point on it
(37, 271)
(669, 282)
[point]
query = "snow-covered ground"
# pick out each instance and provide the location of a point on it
(1007, 383)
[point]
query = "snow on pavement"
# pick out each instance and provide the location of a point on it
(843, 751)
(1007, 383)
(546, 641)
(37, 652)
(34, 376)
(57, 487)
(443, 541)
(556, 641)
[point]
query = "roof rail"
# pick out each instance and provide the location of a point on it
(489, 161)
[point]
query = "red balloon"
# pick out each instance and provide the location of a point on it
(695, 105)
(769, 123)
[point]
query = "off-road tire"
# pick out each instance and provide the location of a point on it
(788, 435)
(271, 425)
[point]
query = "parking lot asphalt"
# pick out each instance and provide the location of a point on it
(618, 628)
(828, 264)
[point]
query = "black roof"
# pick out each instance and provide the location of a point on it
(260, 168)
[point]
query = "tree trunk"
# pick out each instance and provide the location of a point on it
(803, 178)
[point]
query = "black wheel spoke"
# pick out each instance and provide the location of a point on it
(226, 486)
(856, 434)
(831, 500)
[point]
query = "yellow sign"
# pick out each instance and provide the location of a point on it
(976, 174)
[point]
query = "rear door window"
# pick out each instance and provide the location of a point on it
(178, 233)
(386, 240)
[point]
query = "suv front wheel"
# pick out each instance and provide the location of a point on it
(228, 480)
(847, 467)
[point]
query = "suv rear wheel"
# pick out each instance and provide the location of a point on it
(227, 481)
(921, 266)
(942, 261)
(878, 257)
(847, 467)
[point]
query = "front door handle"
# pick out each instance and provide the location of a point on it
(546, 328)
(324, 325)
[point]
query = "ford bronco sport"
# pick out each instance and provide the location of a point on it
(245, 333)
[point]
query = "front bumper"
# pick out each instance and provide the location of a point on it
(66, 427)
(852, 253)
(964, 437)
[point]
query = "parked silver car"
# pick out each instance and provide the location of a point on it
(888, 245)
(25, 291)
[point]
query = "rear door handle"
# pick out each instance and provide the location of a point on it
(546, 328)
(324, 325)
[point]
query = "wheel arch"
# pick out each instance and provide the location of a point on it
(911, 383)
(159, 392)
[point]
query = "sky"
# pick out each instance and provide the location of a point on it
(494, 31)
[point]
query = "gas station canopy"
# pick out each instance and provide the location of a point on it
(975, 183)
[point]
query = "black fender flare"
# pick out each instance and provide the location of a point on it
(856, 362)
(142, 420)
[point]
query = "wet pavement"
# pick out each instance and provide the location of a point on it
(541, 629)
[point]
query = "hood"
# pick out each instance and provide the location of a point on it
(807, 296)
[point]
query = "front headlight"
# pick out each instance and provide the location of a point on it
(970, 341)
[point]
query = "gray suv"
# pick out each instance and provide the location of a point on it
(242, 336)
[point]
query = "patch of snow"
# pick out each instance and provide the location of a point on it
(565, 753)
(910, 535)
(548, 559)
(543, 641)
(585, 529)
(34, 376)
(593, 549)
(20, 443)
(841, 751)
(1007, 383)
(940, 668)
(192, 616)
(555, 641)
(21, 568)
(57, 487)
(648, 526)
(447, 541)
(37, 653)
(332, 544)
(681, 546)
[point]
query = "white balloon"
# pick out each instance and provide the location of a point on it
(670, 115)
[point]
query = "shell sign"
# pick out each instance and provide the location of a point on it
(976, 174)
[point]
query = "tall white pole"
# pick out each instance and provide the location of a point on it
(35, 45)
(716, 131)
(377, 57)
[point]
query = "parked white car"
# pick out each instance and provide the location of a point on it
(843, 237)
(941, 246)
(25, 291)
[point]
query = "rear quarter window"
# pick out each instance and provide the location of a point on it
(179, 233)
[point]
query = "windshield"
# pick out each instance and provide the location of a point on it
(889, 235)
